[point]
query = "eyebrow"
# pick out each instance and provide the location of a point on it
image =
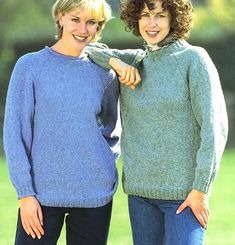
(75, 16)
(162, 12)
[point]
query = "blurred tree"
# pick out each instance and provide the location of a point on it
(21, 21)
(26, 22)
(27, 26)
(214, 20)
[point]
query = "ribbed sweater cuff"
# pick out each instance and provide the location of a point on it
(201, 185)
(104, 60)
(24, 191)
(100, 57)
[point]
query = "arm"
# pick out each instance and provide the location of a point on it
(209, 108)
(18, 131)
(101, 55)
(109, 114)
(122, 61)
(18, 134)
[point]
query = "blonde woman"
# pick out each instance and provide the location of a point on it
(61, 110)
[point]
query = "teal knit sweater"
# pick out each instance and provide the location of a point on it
(175, 122)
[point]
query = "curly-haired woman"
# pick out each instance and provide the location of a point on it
(174, 124)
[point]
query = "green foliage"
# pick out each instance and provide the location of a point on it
(21, 21)
(215, 20)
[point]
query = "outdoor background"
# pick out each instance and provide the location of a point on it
(26, 26)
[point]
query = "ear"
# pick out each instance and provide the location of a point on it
(60, 19)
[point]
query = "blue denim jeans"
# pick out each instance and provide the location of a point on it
(155, 222)
(84, 226)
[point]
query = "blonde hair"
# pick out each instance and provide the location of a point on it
(99, 9)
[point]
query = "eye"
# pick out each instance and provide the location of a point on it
(92, 22)
(161, 15)
(76, 20)
(144, 14)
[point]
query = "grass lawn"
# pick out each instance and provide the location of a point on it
(221, 230)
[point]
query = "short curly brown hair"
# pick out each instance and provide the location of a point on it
(181, 12)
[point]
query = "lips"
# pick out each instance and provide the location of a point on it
(152, 33)
(80, 38)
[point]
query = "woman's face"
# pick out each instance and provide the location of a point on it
(79, 28)
(154, 25)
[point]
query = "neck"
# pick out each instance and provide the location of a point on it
(63, 48)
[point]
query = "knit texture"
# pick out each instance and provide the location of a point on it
(58, 130)
(174, 123)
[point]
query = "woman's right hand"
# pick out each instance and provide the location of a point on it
(128, 75)
(31, 216)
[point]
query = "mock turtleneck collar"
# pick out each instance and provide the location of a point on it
(164, 43)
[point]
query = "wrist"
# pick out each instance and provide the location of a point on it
(113, 61)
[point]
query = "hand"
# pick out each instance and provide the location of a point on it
(31, 216)
(198, 202)
(128, 75)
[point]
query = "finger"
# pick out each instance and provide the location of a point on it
(205, 217)
(137, 78)
(30, 230)
(121, 80)
(207, 213)
(201, 220)
(124, 73)
(122, 76)
(182, 207)
(38, 221)
(39, 229)
(25, 226)
(132, 76)
(201, 217)
(132, 87)
(127, 76)
(34, 224)
(40, 216)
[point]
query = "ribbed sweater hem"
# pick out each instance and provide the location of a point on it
(154, 193)
(88, 203)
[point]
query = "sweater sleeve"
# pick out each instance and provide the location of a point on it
(101, 55)
(109, 124)
(18, 127)
(210, 112)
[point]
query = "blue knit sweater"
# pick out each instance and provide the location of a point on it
(174, 124)
(58, 130)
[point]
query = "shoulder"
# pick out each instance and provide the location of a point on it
(196, 53)
(28, 66)
(99, 69)
(30, 59)
(106, 75)
(193, 55)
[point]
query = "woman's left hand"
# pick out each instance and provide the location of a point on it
(128, 75)
(198, 202)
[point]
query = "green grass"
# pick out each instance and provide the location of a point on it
(221, 230)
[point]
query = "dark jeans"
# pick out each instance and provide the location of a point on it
(84, 226)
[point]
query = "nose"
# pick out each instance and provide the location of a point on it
(152, 22)
(82, 28)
